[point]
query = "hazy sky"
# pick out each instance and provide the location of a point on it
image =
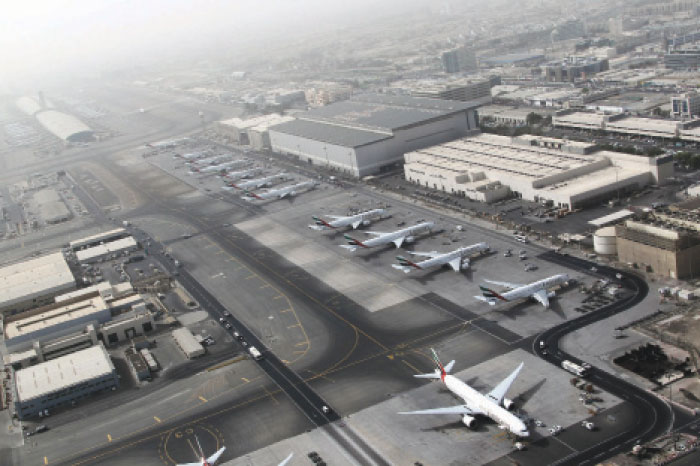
(53, 36)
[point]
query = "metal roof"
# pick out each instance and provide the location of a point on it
(107, 248)
(63, 372)
(104, 236)
(62, 125)
(385, 112)
(36, 277)
(329, 133)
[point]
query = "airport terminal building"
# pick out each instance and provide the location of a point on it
(370, 133)
(551, 171)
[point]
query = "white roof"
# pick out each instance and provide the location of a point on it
(107, 248)
(28, 105)
(644, 124)
(66, 371)
(186, 340)
(611, 218)
(35, 277)
(60, 124)
(54, 317)
(581, 118)
(269, 120)
(97, 238)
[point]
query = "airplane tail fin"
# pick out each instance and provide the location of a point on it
(490, 295)
(320, 222)
(251, 194)
(352, 241)
(440, 372)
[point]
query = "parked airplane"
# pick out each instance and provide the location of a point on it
(397, 237)
(220, 167)
(494, 404)
(537, 290)
(167, 143)
(260, 182)
(354, 221)
(233, 176)
(279, 193)
(204, 162)
(191, 156)
(204, 461)
(457, 259)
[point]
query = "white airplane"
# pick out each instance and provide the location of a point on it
(259, 182)
(167, 143)
(279, 193)
(204, 461)
(494, 404)
(363, 218)
(537, 290)
(397, 237)
(233, 176)
(204, 162)
(191, 156)
(220, 167)
(457, 259)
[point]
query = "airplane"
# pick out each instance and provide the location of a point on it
(167, 143)
(494, 404)
(363, 218)
(259, 182)
(191, 156)
(233, 176)
(397, 237)
(279, 193)
(220, 167)
(537, 290)
(200, 162)
(457, 259)
(204, 461)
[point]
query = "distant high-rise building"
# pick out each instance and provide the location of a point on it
(685, 105)
(459, 59)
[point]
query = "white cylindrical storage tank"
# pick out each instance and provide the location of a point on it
(605, 241)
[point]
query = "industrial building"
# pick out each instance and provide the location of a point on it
(660, 248)
(102, 251)
(253, 131)
(567, 174)
(34, 283)
(624, 124)
(685, 106)
(459, 60)
(370, 133)
(683, 59)
(95, 240)
(502, 115)
(464, 90)
(65, 127)
(572, 68)
(63, 380)
(327, 93)
(187, 343)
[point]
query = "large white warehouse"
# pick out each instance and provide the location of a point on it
(370, 133)
(568, 174)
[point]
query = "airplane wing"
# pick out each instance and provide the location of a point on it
(283, 195)
(456, 263)
(505, 284)
(375, 233)
(399, 241)
(499, 392)
(541, 296)
(461, 410)
(286, 460)
(212, 459)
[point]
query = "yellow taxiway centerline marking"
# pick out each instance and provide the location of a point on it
(278, 297)
(250, 276)
(245, 380)
(203, 399)
(157, 419)
(286, 310)
(46, 460)
(302, 343)
(411, 366)
(292, 326)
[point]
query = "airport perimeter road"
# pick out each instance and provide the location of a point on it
(654, 416)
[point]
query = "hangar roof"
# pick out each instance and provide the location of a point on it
(332, 134)
(61, 124)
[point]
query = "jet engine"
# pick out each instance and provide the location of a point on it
(468, 421)
(409, 239)
(551, 294)
(365, 223)
(465, 264)
(507, 403)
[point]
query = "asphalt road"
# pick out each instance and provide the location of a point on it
(654, 416)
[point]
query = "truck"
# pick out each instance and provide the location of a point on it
(255, 353)
(574, 368)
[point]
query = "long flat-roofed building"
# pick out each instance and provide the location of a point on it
(34, 282)
(63, 380)
(95, 253)
(94, 240)
(370, 133)
(564, 173)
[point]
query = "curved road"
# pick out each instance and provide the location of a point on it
(654, 416)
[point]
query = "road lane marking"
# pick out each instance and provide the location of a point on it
(203, 399)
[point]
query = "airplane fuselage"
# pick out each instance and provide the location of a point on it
(390, 237)
(534, 287)
(348, 221)
(479, 402)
